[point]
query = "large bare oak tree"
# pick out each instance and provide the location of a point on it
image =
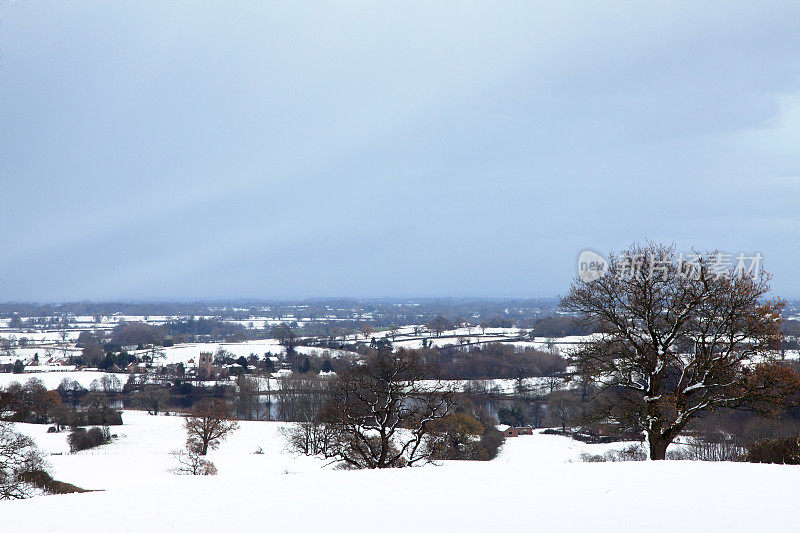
(678, 339)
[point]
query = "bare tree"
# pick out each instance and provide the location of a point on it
(191, 463)
(551, 346)
(6, 347)
(18, 456)
(301, 398)
(366, 330)
(286, 337)
(439, 324)
(110, 383)
(92, 354)
(153, 398)
(246, 398)
(154, 353)
(337, 332)
(678, 339)
(309, 438)
(63, 416)
(380, 413)
(64, 344)
(562, 407)
(208, 425)
(553, 382)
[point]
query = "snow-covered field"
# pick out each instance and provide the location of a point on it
(183, 353)
(39, 337)
(537, 483)
(51, 380)
(140, 455)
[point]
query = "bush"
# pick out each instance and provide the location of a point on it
(81, 439)
(515, 415)
(593, 458)
(457, 436)
(44, 481)
(93, 417)
(779, 451)
(707, 451)
(634, 452)
(491, 441)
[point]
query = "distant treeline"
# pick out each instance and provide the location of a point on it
(142, 334)
(381, 312)
(523, 312)
(494, 360)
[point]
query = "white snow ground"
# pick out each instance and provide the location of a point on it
(532, 485)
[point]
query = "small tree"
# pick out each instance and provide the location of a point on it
(92, 354)
(456, 436)
(63, 416)
(191, 463)
(109, 383)
(286, 337)
(309, 438)
(366, 330)
(152, 398)
(95, 401)
(246, 398)
(439, 324)
(18, 456)
(562, 407)
(208, 425)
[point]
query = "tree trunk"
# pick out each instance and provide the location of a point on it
(658, 446)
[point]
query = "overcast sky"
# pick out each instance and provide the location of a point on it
(170, 150)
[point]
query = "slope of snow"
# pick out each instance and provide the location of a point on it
(535, 483)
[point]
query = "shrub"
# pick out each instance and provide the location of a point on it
(590, 458)
(634, 452)
(94, 417)
(491, 440)
(707, 451)
(308, 438)
(81, 439)
(514, 415)
(457, 436)
(44, 481)
(780, 451)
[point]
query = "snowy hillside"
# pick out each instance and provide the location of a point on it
(537, 483)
